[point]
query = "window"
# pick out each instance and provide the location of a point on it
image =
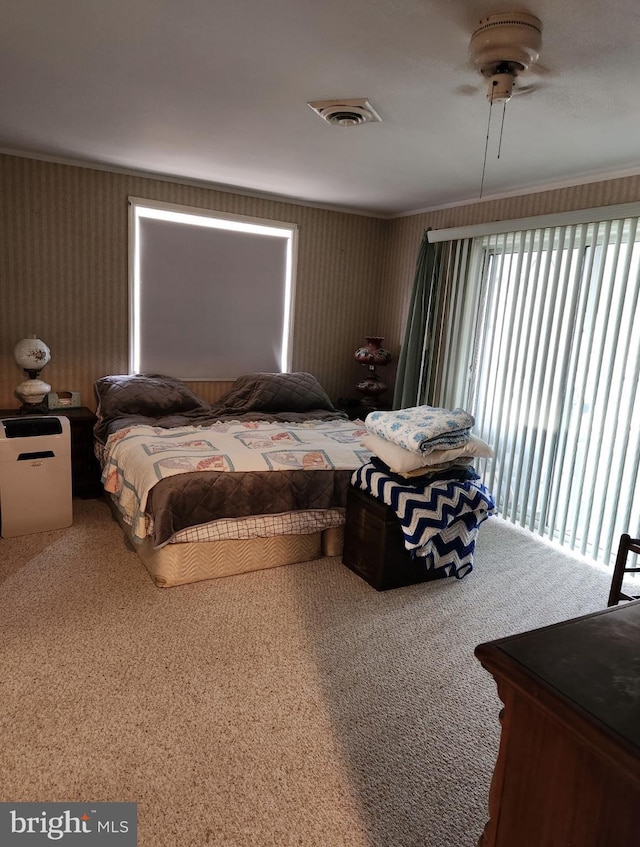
(211, 295)
(551, 374)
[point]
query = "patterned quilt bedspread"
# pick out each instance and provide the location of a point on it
(137, 458)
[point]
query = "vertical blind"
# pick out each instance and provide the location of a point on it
(542, 344)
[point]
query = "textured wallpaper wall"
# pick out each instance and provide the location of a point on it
(64, 268)
(64, 273)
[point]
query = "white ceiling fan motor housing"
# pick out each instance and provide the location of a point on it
(506, 38)
(504, 46)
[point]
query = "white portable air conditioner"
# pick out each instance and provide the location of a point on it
(35, 475)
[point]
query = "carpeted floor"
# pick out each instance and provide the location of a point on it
(295, 706)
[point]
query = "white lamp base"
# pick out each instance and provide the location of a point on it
(32, 391)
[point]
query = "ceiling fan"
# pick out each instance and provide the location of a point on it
(503, 47)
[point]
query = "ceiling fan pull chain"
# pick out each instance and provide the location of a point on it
(486, 147)
(504, 111)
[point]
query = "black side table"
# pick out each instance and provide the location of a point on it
(355, 408)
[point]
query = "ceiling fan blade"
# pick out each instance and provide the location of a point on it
(537, 69)
(519, 90)
(468, 90)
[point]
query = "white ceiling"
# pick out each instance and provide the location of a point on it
(216, 91)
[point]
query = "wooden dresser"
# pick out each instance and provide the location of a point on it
(568, 768)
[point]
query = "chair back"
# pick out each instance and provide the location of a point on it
(627, 546)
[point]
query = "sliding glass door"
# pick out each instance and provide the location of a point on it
(552, 378)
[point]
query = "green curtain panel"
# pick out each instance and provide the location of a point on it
(412, 363)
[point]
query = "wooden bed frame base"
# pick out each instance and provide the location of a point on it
(179, 564)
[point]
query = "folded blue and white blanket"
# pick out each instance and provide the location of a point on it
(422, 429)
(439, 522)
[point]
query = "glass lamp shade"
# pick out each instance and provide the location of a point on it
(373, 353)
(32, 355)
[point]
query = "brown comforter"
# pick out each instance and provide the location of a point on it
(196, 498)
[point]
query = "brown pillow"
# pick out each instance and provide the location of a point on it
(153, 395)
(276, 392)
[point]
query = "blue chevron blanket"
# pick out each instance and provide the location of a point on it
(439, 522)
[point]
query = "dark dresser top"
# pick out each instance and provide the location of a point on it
(594, 661)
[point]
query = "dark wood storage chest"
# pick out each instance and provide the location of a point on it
(374, 545)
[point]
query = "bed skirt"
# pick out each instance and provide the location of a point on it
(179, 564)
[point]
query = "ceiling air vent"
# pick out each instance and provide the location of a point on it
(345, 112)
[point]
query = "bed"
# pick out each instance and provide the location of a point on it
(255, 481)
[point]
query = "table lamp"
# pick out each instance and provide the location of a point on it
(32, 354)
(373, 355)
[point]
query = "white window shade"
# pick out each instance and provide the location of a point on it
(210, 297)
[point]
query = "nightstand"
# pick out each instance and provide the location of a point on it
(356, 409)
(85, 470)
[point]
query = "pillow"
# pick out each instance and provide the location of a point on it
(276, 392)
(400, 460)
(152, 395)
